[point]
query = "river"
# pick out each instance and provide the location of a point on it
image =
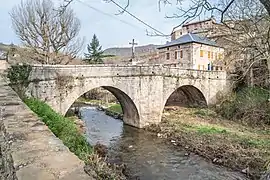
(146, 156)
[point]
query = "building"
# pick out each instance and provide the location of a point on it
(198, 27)
(192, 52)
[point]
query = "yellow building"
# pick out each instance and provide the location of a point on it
(192, 52)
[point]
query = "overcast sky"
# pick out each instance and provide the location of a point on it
(110, 30)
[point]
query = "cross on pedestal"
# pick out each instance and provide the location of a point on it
(133, 48)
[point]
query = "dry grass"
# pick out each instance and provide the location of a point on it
(225, 142)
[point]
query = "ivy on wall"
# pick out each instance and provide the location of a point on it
(19, 78)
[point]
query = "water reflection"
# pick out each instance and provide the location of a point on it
(147, 156)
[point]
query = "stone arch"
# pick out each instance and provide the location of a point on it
(186, 95)
(129, 108)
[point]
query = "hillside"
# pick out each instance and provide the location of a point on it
(126, 51)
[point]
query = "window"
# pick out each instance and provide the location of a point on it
(167, 56)
(198, 67)
(168, 49)
(175, 55)
(201, 53)
(216, 56)
(181, 54)
(212, 55)
(220, 56)
(209, 54)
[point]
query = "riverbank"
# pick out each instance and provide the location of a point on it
(204, 132)
(221, 141)
(111, 109)
(68, 131)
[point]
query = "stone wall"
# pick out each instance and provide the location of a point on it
(6, 162)
(29, 150)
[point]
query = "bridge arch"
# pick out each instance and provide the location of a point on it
(187, 96)
(129, 108)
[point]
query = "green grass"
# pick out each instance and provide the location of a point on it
(115, 108)
(205, 129)
(205, 112)
(64, 128)
(237, 137)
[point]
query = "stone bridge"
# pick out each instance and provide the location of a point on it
(141, 90)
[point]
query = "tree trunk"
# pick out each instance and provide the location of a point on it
(266, 4)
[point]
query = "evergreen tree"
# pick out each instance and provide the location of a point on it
(95, 53)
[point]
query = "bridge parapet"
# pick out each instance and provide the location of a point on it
(51, 71)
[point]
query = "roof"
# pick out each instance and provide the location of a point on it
(189, 38)
(196, 22)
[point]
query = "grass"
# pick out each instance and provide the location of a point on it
(236, 145)
(115, 108)
(94, 101)
(64, 128)
(111, 106)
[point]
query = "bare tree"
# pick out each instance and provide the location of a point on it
(52, 35)
(245, 34)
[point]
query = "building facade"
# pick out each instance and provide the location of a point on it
(192, 52)
(198, 27)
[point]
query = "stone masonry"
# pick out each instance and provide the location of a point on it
(29, 150)
(141, 90)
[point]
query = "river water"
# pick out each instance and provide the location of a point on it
(146, 156)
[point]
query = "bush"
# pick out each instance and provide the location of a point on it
(62, 127)
(249, 105)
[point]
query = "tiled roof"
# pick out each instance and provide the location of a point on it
(189, 38)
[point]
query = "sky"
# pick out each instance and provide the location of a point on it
(112, 30)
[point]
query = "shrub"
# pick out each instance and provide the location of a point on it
(18, 76)
(249, 105)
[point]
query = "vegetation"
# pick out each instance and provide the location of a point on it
(50, 34)
(66, 130)
(222, 141)
(18, 76)
(95, 53)
(248, 105)
(62, 127)
(115, 108)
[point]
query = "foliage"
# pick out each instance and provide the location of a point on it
(18, 76)
(249, 105)
(95, 53)
(62, 127)
(53, 36)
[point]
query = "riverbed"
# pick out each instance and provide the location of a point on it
(148, 157)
